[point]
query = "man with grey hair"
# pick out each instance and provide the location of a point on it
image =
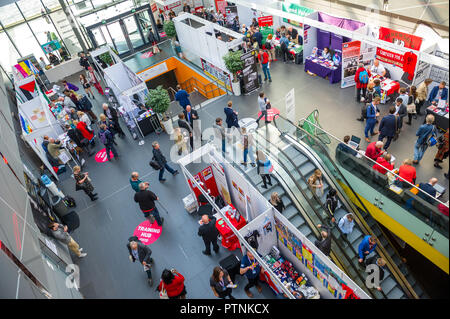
(146, 200)
(112, 115)
(139, 251)
(135, 181)
(162, 162)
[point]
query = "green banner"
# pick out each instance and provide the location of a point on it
(265, 31)
(297, 10)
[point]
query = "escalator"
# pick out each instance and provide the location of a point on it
(293, 164)
(294, 142)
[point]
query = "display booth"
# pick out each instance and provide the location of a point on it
(37, 120)
(128, 95)
(293, 266)
(210, 42)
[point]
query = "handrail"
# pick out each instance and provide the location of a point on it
(311, 224)
(400, 278)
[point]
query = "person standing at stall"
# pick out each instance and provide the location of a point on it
(264, 63)
(221, 283)
(371, 119)
(422, 94)
(423, 134)
(209, 233)
(111, 113)
(362, 80)
(251, 268)
(443, 148)
(94, 81)
(83, 182)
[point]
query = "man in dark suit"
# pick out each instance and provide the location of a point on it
(209, 233)
(325, 244)
(161, 160)
(111, 113)
(428, 188)
(400, 110)
(139, 251)
(182, 123)
(388, 127)
(232, 116)
(190, 115)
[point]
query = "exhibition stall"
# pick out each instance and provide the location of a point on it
(126, 91)
(37, 120)
(209, 42)
(293, 266)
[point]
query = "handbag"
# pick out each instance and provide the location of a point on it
(155, 165)
(163, 292)
(411, 108)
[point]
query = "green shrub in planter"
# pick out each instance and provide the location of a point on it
(158, 99)
(107, 58)
(233, 63)
(169, 29)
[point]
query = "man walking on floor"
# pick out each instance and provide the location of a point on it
(135, 181)
(161, 160)
(146, 200)
(262, 107)
(388, 127)
(209, 233)
(182, 97)
(231, 116)
(139, 251)
(264, 62)
(112, 115)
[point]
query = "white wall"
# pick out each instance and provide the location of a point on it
(310, 41)
(267, 235)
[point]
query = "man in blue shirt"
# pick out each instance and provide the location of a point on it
(371, 121)
(439, 92)
(135, 181)
(368, 244)
(182, 97)
(429, 189)
(251, 268)
(258, 37)
(424, 133)
(284, 44)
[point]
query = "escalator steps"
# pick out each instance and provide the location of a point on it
(355, 235)
(307, 169)
(290, 212)
(297, 221)
(305, 230)
(388, 284)
(339, 213)
(395, 293)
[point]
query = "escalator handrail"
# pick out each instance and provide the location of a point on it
(313, 228)
(401, 279)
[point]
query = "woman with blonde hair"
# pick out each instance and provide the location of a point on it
(422, 94)
(179, 141)
(83, 182)
(82, 117)
(315, 182)
(276, 202)
(270, 46)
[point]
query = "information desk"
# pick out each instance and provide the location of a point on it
(63, 70)
(388, 87)
(229, 239)
(440, 116)
(147, 122)
(323, 68)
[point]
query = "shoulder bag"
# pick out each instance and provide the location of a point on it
(163, 292)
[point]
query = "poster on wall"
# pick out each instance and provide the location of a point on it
(230, 14)
(390, 57)
(222, 77)
(438, 74)
(220, 5)
(350, 60)
(400, 38)
(297, 10)
(51, 46)
(250, 72)
(221, 180)
(266, 21)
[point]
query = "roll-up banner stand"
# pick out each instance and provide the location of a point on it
(350, 60)
(274, 234)
(250, 72)
(230, 14)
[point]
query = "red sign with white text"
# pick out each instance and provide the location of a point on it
(400, 38)
(390, 57)
(266, 21)
(148, 233)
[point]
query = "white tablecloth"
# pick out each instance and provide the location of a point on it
(63, 70)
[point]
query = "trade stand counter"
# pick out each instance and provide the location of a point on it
(295, 49)
(63, 70)
(388, 87)
(440, 112)
(229, 239)
(323, 68)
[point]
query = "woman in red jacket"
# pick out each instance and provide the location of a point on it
(383, 164)
(361, 82)
(173, 282)
(81, 126)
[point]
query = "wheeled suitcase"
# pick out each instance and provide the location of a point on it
(232, 264)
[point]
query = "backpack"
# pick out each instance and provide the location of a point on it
(363, 77)
(69, 201)
(103, 137)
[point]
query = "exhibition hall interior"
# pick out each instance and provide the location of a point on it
(211, 149)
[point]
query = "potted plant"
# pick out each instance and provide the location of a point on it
(234, 64)
(158, 99)
(107, 58)
(169, 29)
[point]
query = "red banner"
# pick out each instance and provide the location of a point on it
(266, 21)
(154, 7)
(402, 39)
(390, 57)
(220, 6)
